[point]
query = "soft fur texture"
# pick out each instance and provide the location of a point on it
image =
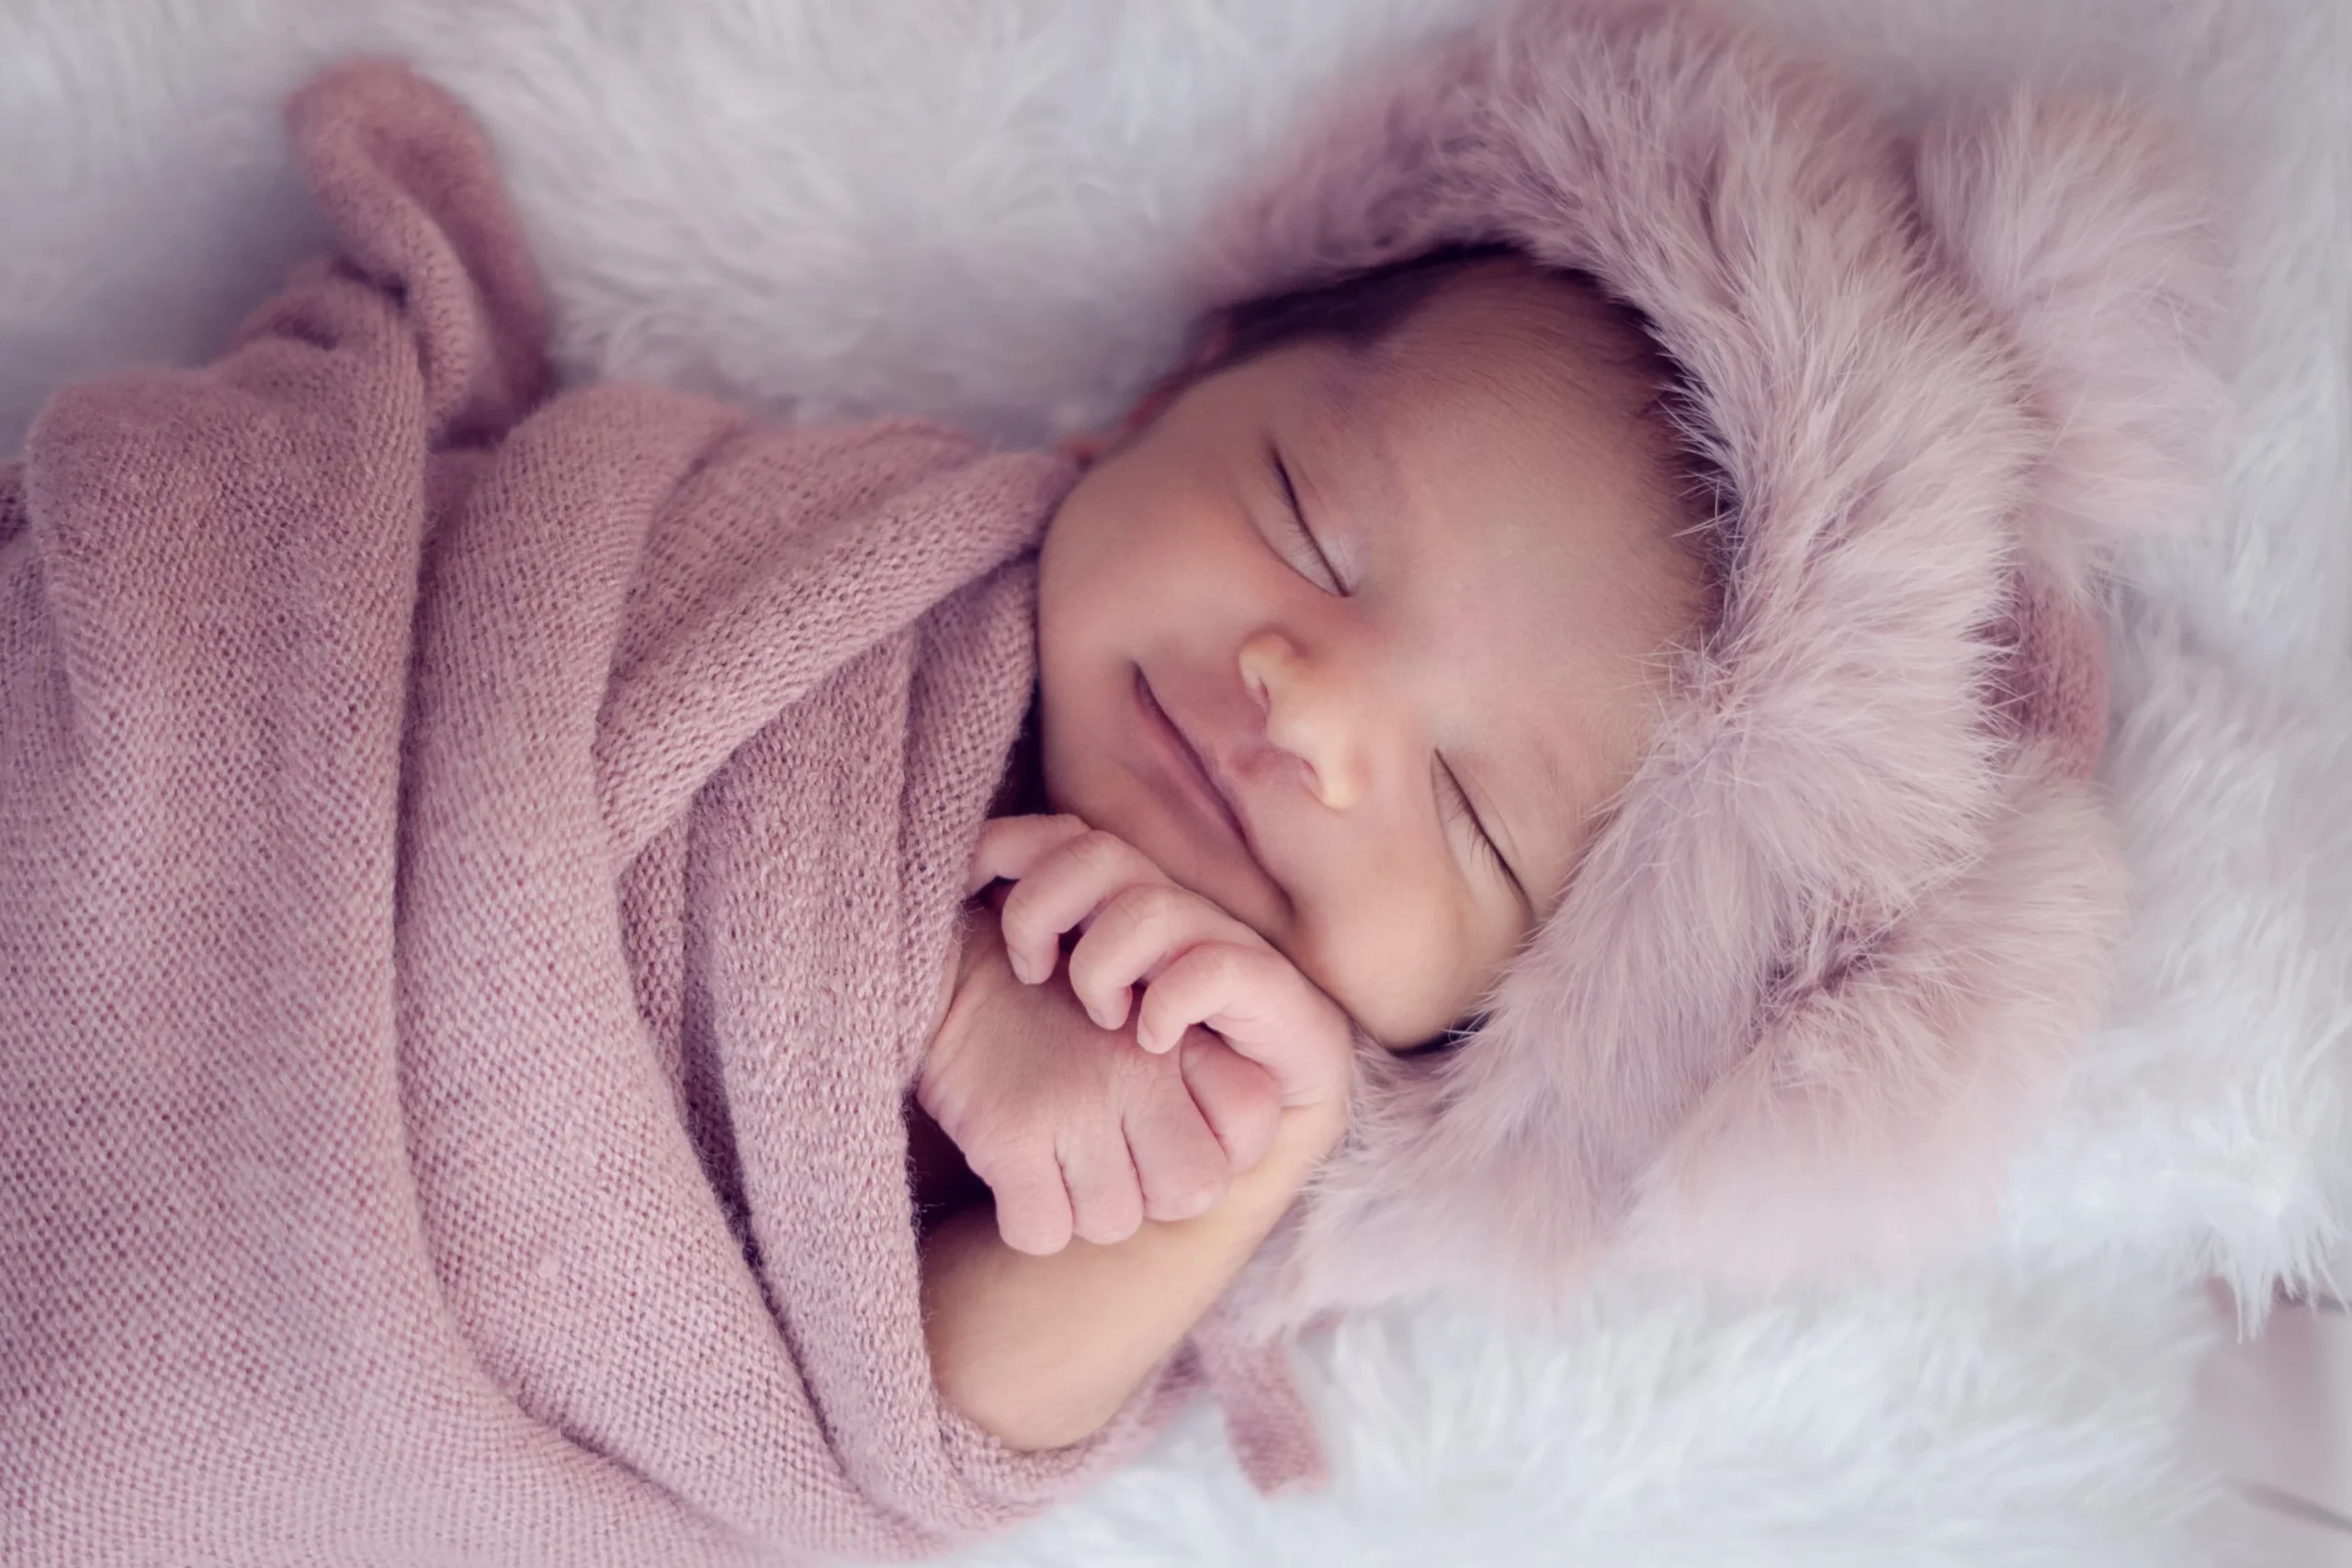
(1849, 924)
(956, 210)
(1979, 1422)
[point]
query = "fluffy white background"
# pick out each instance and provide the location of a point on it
(957, 208)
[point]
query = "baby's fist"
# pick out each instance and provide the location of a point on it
(1075, 1131)
(1196, 964)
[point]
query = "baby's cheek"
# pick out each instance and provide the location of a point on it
(1395, 964)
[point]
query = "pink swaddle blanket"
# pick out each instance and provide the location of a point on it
(476, 892)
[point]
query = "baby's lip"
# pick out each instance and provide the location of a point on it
(1199, 762)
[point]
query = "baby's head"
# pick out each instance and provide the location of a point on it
(1399, 563)
(1792, 764)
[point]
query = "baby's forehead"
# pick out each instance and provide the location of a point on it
(1475, 393)
(1543, 333)
(1492, 439)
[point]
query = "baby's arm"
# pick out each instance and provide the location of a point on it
(1041, 1350)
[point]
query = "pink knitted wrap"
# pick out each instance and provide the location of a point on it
(475, 883)
(1845, 930)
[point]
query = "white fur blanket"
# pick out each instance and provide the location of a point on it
(954, 209)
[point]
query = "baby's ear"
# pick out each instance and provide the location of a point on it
(2088, 225)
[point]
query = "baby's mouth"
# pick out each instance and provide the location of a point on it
(1189, 773)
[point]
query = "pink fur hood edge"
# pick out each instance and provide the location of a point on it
(1851, 923)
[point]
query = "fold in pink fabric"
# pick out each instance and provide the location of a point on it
(478, 877)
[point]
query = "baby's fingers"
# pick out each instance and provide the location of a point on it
(1105, 1200)
(1262, 1007)
(1009, 846)
(1033, 1210)
(1131, 937)
(1061, 891)
(1237, 1098)
(1180, 1162)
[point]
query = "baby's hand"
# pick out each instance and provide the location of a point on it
(1196, 964)
(1074, 1130)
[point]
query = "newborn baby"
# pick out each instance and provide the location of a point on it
(1344, 648)
(481, 867)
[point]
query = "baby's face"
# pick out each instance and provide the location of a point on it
(1357, 644)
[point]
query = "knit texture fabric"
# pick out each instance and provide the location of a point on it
(479, 877)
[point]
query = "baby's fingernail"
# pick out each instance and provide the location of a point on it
(1143, 1037)
(1024, 970)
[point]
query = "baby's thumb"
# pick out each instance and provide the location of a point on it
(1239, 1099)
(1263, 1010)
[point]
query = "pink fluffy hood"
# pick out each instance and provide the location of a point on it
(1849, 925)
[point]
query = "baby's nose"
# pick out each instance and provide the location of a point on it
(1309, 717)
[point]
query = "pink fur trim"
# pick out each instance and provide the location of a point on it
(1850, 921)
(2086, 226)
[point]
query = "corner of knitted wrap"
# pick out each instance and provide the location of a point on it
(1268, 1422)
(409, 186)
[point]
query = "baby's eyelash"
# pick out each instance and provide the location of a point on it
(1458, 808)
(1295, 515)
